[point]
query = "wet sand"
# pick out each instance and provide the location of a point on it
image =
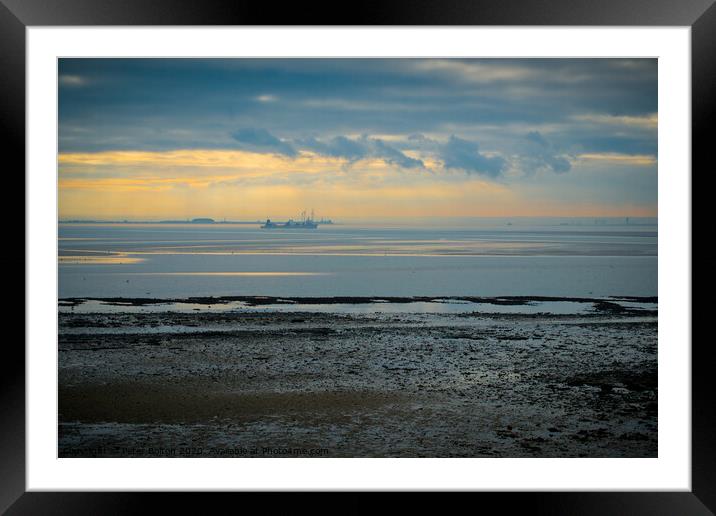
(273, 384)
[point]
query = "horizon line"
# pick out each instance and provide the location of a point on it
(354, 218)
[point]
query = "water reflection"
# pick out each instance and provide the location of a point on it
(113, 259)
(169, 261)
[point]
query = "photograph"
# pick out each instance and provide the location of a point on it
(357, 257)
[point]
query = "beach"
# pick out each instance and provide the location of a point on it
(358, 377)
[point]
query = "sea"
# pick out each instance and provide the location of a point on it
(482, 257)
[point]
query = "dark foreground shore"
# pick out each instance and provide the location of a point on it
(312, 384)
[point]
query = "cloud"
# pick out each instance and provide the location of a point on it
(536, 137)
(350, 149)
(611, 107)
(394, 156)
(71, 80)
(261, 140)
(424, 143)
(649, 121)
(266, 98)
(639, 160)
(539, 153)
(338, 147)
(465, 155)
(476, 72)
(354, 149)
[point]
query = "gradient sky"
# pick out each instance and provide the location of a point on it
(254, 138)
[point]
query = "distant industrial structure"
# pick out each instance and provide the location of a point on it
(305, 222)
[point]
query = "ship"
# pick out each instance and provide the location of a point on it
(304, 223)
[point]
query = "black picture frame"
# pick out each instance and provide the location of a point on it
(17, 15)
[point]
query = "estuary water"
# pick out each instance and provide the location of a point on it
(485, 258)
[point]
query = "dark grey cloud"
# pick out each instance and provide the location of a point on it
(337, 147)
(558, 164)
(536, 137)
(393, 155)
(139, 103)
(354, 149)
(263, 141)
(422, 142)
(540, 153)
(465, 155)
(455, 153)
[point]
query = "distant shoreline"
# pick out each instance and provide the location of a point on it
(508, 221)
(177, 222)
(159, 222)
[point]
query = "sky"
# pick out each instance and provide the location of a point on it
(247, 139)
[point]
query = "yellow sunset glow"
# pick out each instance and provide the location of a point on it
(240, 185)
(626, 159)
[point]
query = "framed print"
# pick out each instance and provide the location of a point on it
(444, 250)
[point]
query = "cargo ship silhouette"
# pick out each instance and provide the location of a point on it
(304, 223)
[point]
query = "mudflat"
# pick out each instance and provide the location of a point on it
(270, 383)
